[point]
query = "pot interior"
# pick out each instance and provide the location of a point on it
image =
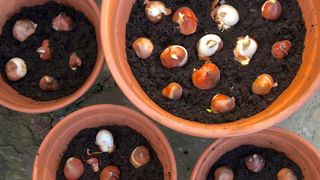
(10, 97)
(53, 147)
(296, 148)
(115, 17)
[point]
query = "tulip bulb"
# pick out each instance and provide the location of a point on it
(44, 51)
(172, 91)
(62, 22)
(94, 163)
(186, 19)
(110, 173)
(286, 174)
(48, 83)
(263, 84)
(223, 173)
(207, 77)
(154, 10)
(104, 140)
(140, 156)
(75, 61)
(23, 29)
(245, 49)
(221, 103)
(174, 56)
(16, 69)
(271, 10)
(225, 16)
(209, 45)
(281, 49)
(73, 169)
(143, 47)
(255, 163)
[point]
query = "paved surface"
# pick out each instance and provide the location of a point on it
(21, 134)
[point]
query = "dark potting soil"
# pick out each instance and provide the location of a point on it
(236, 80)
(82, 40)
(274, 161)
(126, 140)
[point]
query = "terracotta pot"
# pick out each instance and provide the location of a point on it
(55, 143)
(11, 98)
(296, 148)
(115, 15)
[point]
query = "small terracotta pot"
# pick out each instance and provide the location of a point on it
(296, 148)
(115, 15)
(10, 98)
(55, 143)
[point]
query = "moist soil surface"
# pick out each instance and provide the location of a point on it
(126, 140)
(274, 161)
(82, 40)
(236, 80)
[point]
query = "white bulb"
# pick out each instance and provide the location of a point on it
(104, 140)
(226, 16)
(245, 49)
(21, 66)
(23, 29)
(16, 69)
(209, 45)
(155, 9)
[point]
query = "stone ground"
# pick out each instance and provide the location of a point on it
(21, 134)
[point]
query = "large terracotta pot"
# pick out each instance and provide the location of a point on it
(55, 143)
(11, 98)
(115, 15)
(295, 147)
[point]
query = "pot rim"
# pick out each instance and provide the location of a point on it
(48, 106)
(71, 117)
(203, 157)
(236, 128)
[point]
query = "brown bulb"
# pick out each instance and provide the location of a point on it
(263, 84)
(172, 91)
(255, 163)
(271, 10)
(23, 29)
(44, 51)
(110, 173)
(221, 103)
(94, 163)
(73, 169)
(281, 49)
(223, 173)
(140, 156)
(48, 83)
(143, 47)
(174, 56)
(286, 174)
(62, 22)
(207, 77)
(16, 69)
(75, 61)
(186, 19)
